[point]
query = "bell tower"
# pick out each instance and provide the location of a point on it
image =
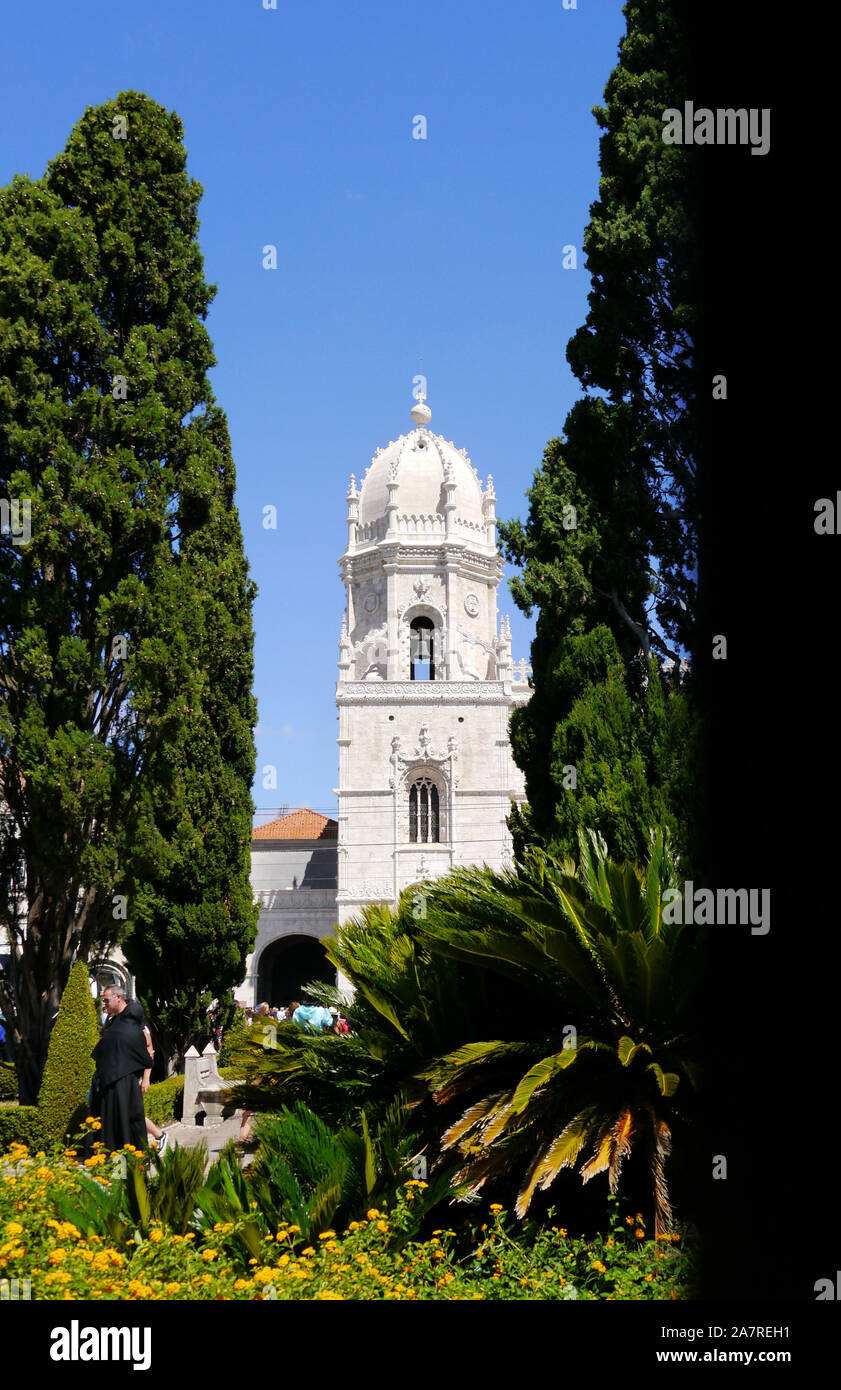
(426, 681)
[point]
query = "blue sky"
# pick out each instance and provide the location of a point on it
(298, 123)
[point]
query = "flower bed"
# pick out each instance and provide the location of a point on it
(63, 1262)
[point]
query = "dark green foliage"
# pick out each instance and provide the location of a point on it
(63, 1097)
(23, 1124)
(164, 1099)
(609, 548)
(618, 762)
(8, 1081)
(235, 1033)
(126, 647)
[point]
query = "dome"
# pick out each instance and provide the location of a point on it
(420, 463)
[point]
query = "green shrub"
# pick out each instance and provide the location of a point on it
(164, 1100)
(23, 1124)
(63, 1097)
(8, 1081)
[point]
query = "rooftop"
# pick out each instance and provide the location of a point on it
(302, 824)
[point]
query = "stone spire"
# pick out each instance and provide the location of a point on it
(352, 499)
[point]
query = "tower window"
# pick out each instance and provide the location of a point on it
(421, 650)
(423, 812)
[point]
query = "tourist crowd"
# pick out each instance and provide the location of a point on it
(314, 1017)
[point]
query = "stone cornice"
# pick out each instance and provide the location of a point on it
(421, 693)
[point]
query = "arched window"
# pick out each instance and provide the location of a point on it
(424, 821)
(421, 650)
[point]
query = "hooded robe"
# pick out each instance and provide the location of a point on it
(121, 1058)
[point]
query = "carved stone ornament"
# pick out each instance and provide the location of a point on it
(471, 605)
(371, 603)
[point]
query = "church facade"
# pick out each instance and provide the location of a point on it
(426, 687)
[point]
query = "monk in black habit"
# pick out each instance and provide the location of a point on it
(122, 1075)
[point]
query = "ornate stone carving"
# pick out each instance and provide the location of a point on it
(471, 605)
(423, 693)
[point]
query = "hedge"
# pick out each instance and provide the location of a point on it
(23, 1124)
(163, 1101)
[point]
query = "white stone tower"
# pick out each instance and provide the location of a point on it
(426, 679)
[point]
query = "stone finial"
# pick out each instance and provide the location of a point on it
(352, 494)
(420, 413)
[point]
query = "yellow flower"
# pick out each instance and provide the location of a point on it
(648, 1278)
(639, 1233)
(265, 1275)
(14, 1229)
(55, 1257)
(283, 1261)
(173, 1288)
(372, 1214)
(597, 1264)
(562, 1231)
(329, 1294)
(208, 1255)
(640, 1219)
(156, 1237)
(382, 1225)
(309, 1251)
(496, 1207)
(326, 1235)
(242, 1284)
(296, 1229)
(44, 1173)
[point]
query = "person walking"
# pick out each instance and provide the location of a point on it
(122, 1074)
(134, 1010)
(314, 1017)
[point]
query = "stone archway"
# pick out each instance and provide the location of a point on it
(289, 963)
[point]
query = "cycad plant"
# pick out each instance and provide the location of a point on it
(308, 1174)
(602, 985)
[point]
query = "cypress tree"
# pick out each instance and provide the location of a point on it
(608, 550)
(115, 611)
(69, 1069)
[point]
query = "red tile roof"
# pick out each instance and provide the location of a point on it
(298, 825)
